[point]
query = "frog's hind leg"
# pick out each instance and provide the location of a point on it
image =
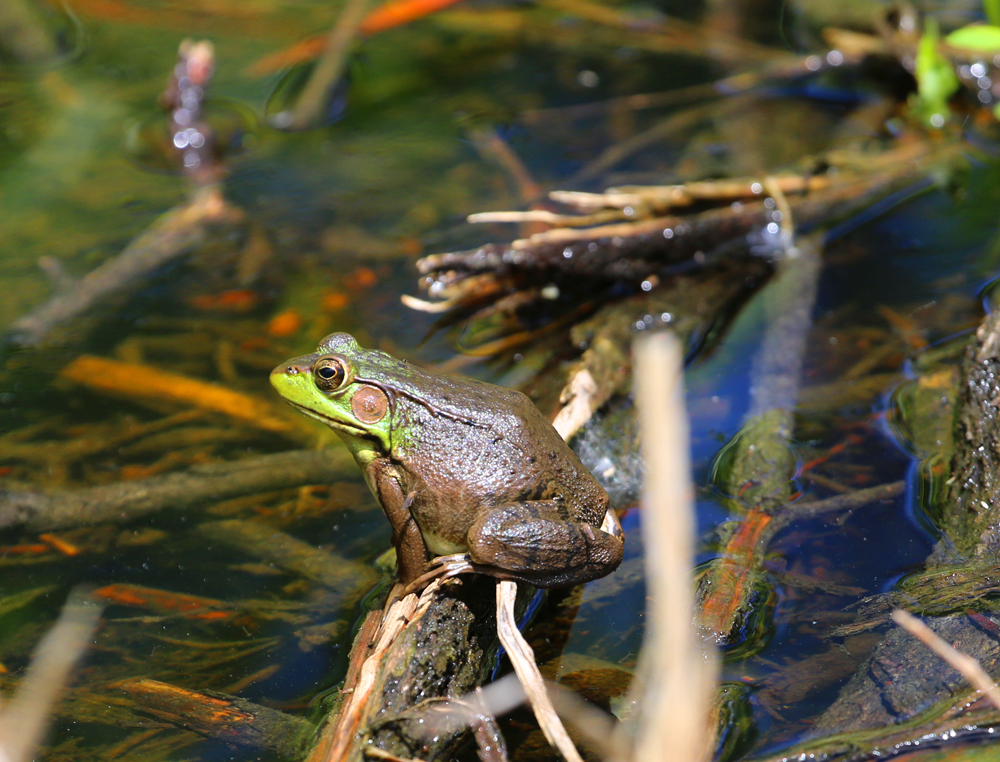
(535, 542)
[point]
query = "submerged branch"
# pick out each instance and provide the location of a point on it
(756, 467)
(291, 554)
(125, 501)
(176, 233)
(229, 719)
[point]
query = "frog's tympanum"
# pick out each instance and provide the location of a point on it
(467, 472)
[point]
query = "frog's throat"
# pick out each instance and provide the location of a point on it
(440, 546)
(334, 423)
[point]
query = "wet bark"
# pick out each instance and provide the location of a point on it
(408, 663)
(124, 501)
(972, 521)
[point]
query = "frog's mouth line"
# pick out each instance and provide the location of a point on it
(333, 422)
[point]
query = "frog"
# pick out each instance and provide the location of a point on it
(471, 476)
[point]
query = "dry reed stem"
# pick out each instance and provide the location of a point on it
(23, 720)
(523, 659)
(663, 197)
(674, 677)
(964, 664)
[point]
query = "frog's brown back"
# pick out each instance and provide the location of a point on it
(478, 445)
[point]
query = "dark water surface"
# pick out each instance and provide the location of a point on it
(344, 211)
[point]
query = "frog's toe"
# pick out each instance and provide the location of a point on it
(441, 567)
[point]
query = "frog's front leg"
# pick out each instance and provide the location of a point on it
(411, 552)
(534, 542)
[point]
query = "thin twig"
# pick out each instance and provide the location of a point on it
(523, 659)
(330, 67)
(964, 664)
(845, 502)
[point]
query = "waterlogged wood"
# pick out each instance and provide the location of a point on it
(223, 717)
(167, 602)
(144, 382)
(755, 468)
(688, 304)
(173, 235)
(126, 501)
(292, 554)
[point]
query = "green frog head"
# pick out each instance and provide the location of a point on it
(344, 386)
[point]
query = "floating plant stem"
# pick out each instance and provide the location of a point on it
(311, 103)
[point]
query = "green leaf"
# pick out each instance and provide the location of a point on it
(936, 79)
(992, 10)
(981, 38)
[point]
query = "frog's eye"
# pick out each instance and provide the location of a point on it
(330, 374)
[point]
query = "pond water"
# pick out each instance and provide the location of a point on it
(333, 221)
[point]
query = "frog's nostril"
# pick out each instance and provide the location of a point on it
(286, 369)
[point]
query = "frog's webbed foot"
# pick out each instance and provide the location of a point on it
(441, 567)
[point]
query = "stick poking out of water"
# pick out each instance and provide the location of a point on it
(674, 677)
(23, 720)
(523, 660)
(962, 663)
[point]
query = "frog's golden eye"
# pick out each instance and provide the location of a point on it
(331, 374)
